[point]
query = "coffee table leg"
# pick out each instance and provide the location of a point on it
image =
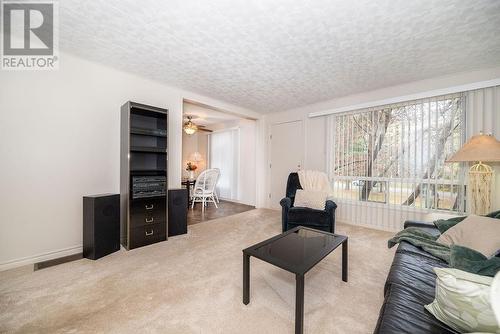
(299, 304)
(344, 261)
(246, 279)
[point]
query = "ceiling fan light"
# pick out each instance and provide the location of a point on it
(190, 128)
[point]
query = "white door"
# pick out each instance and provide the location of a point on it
(287, 150)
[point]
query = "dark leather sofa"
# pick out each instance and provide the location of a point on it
(409, 286)
(298, 216)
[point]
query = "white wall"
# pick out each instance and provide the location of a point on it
(247, 176)
(196, 142)
(315, 128)
(60, 140)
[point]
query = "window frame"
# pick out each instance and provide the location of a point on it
(458, 185)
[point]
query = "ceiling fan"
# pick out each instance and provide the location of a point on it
(190, 128)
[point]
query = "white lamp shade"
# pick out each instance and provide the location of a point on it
(478, 148)
(196, 156)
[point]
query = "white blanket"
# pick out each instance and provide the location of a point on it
(314, 180)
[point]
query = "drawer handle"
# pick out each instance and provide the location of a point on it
(149, 233)
(150, 220)
(150, 207)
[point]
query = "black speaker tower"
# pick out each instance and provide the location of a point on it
(101, 225)
(177, 211)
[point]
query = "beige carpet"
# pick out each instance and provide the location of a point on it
(193, 284)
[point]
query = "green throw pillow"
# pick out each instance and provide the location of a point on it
(463, 301)
(445, 224)
(469, 260)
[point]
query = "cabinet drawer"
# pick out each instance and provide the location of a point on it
(146, 235)
(148, 212)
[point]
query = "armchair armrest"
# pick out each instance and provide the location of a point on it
(330, 205)
(286, 204)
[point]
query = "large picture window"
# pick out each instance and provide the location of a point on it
(396, 154)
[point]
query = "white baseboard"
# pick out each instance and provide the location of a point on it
(41, 257)
(373, 227)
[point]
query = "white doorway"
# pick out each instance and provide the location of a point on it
(286, 156)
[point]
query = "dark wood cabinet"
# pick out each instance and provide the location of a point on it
(143, 175)
(148, 212)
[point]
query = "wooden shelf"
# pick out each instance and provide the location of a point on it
(148, 132)
(144, 143)
(145, 149)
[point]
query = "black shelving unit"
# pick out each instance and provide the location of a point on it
(143, 175)
(149, 132)
(147, 149)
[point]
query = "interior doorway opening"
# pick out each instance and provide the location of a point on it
(215, 139)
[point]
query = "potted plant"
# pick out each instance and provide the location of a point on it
(190, 168)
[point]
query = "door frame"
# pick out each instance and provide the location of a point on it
(269, 153)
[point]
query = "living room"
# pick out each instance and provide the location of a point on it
(375, 123)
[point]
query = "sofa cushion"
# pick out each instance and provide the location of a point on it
(406, 247)
(415, 271)
(463, 301)
(474, 232)
(403, 312)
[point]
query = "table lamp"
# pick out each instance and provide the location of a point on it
(196, 157)
(480, 148)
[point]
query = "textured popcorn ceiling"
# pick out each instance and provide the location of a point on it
(206, 116)
(272, 55)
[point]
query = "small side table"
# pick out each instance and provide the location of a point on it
(188, 183)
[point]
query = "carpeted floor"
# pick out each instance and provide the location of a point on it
(193, 284)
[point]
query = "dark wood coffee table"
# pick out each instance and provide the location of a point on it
(297, 251)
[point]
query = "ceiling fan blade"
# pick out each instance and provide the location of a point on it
(206, 130)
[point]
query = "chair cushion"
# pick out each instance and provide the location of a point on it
(310, 199)
(307, 216)
(325, 228)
